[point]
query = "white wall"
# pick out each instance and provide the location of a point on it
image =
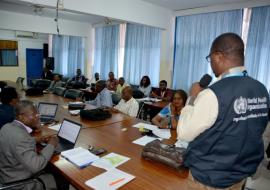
(23, 22)
(11, 73)
(135, 11)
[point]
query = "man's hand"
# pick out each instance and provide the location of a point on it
(53, 141)
(195, 89)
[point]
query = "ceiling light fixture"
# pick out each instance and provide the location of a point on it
(38, 9)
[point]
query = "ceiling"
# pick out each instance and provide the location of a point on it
(177, 5)
(26, 8)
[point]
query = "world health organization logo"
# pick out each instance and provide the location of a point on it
(240, 105)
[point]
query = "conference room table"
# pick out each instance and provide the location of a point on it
(116, 135)
(117, 138)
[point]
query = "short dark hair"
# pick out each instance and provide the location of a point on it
(183, 95)
(101, 83)
(148, 82)
(8, 94)
(163, 81)
(230, 44)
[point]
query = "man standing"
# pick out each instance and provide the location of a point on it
(18, 157)
(127, 105)
(225, 122)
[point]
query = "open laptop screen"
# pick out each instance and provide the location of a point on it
(47, 109)
(69, 130)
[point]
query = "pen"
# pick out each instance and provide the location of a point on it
(116, 181)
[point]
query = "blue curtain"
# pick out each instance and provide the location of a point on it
(194, 35)
(142, 53)
(9, 57)
(258, 45)
(106, 50)
(69, 54)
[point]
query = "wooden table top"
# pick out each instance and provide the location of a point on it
(149, 175)
(63, 112)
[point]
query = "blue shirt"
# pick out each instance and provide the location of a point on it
(104, 98)
(7, 114)
(166, 113)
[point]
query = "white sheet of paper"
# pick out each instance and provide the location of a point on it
(110, 180)
(144, 140)
(110, 161)
(79, 156)
(162, 133)
(55, 127)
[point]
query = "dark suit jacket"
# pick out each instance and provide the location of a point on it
(6, 114)
(48, 75)
(18, 157)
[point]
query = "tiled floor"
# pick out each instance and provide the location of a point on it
(262, 182)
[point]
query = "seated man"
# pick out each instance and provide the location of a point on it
(18, 157)
(104, 97)
(121, 85)
(94, 79)
(79, 77)
(9, 99)
(112, 82)
(128, 105)
(162, 92)
(55, 83)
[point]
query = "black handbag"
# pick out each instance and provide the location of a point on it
(166, 154)
(95, 114)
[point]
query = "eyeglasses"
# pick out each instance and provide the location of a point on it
(208, 57)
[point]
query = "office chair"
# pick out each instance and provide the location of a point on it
(42, 83)
(60, 91)
(19, 83)
(22, 182)
(73, 94)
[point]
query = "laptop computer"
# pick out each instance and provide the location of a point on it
(67, 135)
(47, 112)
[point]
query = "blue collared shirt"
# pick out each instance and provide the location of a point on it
(104, 98)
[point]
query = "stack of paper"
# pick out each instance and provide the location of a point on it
(144, 140)
(162, 133)
(79, 156)
(110, 161)
(55, 127)
(110, 180)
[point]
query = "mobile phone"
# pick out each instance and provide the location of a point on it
(97, 151)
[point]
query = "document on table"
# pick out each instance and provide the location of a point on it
(162, 133)
(144, 140)
(110, 180)
(55, 127)
(79, 156)
(110, 161)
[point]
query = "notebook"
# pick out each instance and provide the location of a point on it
(67, 135)
(47, 112)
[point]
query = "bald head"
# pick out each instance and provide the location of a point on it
(127, 93)
(100, 85)
(231, 45)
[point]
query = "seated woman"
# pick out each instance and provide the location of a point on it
(145, 86)
(168, 117)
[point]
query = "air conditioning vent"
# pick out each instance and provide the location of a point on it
(29, 35)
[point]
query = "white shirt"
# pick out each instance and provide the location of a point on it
(197, 118)
(130, 107)
(146, 90)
